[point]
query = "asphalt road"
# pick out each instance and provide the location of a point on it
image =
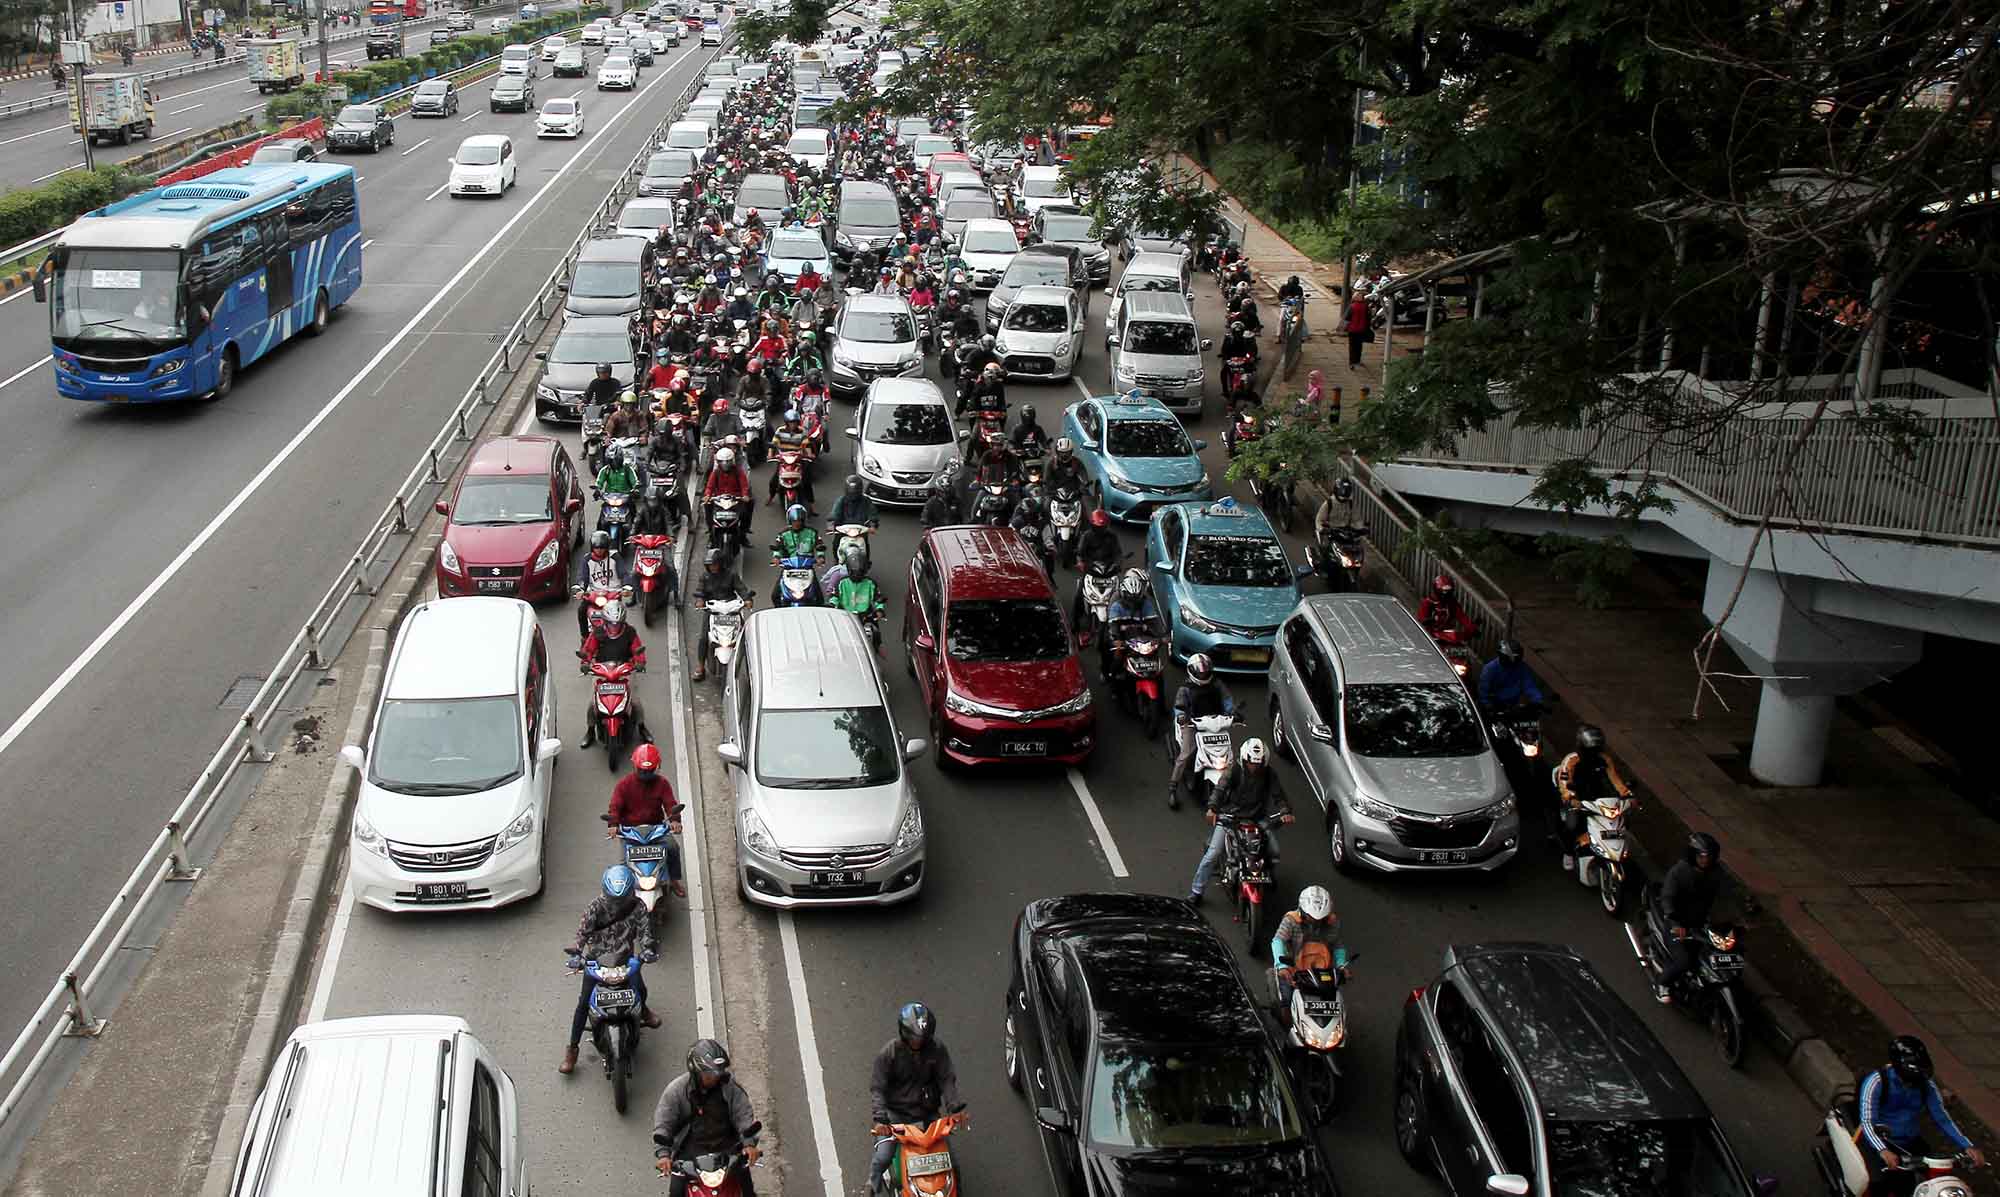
(148, 515)
(832, 980)
(38, 146)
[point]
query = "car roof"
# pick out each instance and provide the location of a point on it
(812, 657)
(595, 326)
(1126, 407)
(613, 249)
(1150, 262)
(1041, 172)
(1224, 517)
(985, 224)
(1158, 305)
(514, 454)
(988, 563)
(496, 140)
(1586, 1054)
(1377, 640)
(1155, 970)
(459, 648)
(905, 390)
(1055, 297)
(877, 303)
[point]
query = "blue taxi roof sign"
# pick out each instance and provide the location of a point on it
(1225, 506)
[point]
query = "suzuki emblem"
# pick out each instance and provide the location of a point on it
(496, 571)
(838, 861)
(438, 858)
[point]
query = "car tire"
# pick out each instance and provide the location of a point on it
(1337, 851)
(1280, 740)
(319, 317)
(1408, 1118)
(1010, 1050)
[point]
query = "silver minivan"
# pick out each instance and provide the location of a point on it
(1389, 740)
(1154, 346)
(826, 814)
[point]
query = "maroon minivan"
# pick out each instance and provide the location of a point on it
(514, 519)
(990, 646)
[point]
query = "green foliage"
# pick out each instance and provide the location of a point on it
(1596, 567)
(28, 212)
(1294, 442)
(356, 82)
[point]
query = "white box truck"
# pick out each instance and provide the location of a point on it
(274, 63)
(115, 108)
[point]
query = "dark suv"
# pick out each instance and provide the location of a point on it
(1147, 1063)
(1518, 1071)
(385, 43)
(359, 126)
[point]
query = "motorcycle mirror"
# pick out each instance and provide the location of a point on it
(546, 751)
(444, 507)
(1507, 1184)
(915, 747)
(1052, 1119)
(1199, 445)
(1207, 343)
(353, 755)
(730, 752)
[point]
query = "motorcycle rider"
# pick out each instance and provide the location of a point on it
(726, 477)
(1064, 469)
(1202, 695)
(1028, 438)
(719, 580)
(1440, 611)
(1686, 897)
(913, 1083)
(1313, 922)
(855, 507)
(629, 419)
(740, 307)
(796, 539)
(1584, 775)
(1238, 343)
(619, 476)
(790, 437)
(704, 1111)
(958, 316)
(973, 358)
(614, 639)
(1506, 681)
(809, 281)
(989, 390)
(1033, 524)
(1326, 519)
(1134, 601)
(752, 387)
(599, 569)
(614, 927)
(885, 284)
(1893, 1101)
(1250, 793)
(602, 390)
(1096, 544)
(722, 423)
(942, 507)
(851, 587)
(645, 798)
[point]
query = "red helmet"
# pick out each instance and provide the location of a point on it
(1442, 586)
(754, 365)
(646, 758)
(1099, 520)
(680, 383)
(719, 406)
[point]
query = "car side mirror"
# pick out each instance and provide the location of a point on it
(444, 507)
(1166, 566)
(546, 751)
(964, 433)
(1318, 730)
(454, 162)
(915, 747)
(854, 432)
(925, 641)
(1052, 1119)
(353, 755)
(572, 506)
(1199, 445)
(730, 751)
(1507, 1184)
(1302, 572)
(562, 286)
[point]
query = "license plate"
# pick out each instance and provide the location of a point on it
(1441, 856)
(1250, 656)
(837, 877)
(1213, 741)
(929, 1164)
(616, 999)
(1024, 747)
(1726, 960)
(647, 852)
(798, 577)
(441, 891)
(611, 688)
(1321, 1008)
(614, 515)
(650, 558)
(497, 585)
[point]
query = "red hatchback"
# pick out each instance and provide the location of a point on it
(991, 648)
(514, 519)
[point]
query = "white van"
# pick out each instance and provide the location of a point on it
(518, 59)
(404, 1103)
(690, 135)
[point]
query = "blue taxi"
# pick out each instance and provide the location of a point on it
(1136, 453)
(1223, 581)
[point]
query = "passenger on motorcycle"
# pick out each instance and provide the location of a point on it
(1203, 694)
(1686, 898)
(615, 927)
(613, 640)
(645, 798)
(1440, 611)
(913, 1083)
(1249, 793)
(1893, 1100)
(704, 1111)
(942, 507)
(1029, 439)
(1313, 922)
(719, 580)
(1507, 682)
(1585, 775)
(1097, 544)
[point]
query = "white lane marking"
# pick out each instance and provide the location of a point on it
(252, 108)
(462, 120)
(201, 539)
(20, 374)
(65, 170)
(1096, 817)
(1079, 383)
(420, 145)
(693, 861)
(336, 939)
(36, 133)
(177, 132)
(823, 1141)
(441, 186)
(178, 111)
(367, 243)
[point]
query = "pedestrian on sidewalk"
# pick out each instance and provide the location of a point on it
(1316, 393)
(1359, 331)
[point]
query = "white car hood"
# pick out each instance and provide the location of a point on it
(1017, 341)
(808, 820)
(910, 458)
(475, 174)
(443, 818)
(988, 262)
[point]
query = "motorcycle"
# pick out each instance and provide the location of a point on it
(1602, 851)
(1243, 366)
(1136, 669)
(643, 848)
(814, 423)
(989, 428)
(851, 536)
(725, 523)
(1214, 757)
(791, 476)
(864, 602)
(1844, 1168)
(614, 517)
(1712, 990)
(922, 1165)
(1315, 1026)
(756, 420)
(591, 602)
(991, 506)
(711, 1174)
(1456, 645)
(1274, 497)
(926, 328)
(614, 1018)
(1338, 558)
(1065, 521)
(1246, 874)
(593, 437)
(725, 632)
(1100, 586)
(614, 716)
(658, 582)
(798, 582)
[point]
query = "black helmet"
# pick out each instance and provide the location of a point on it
(1590, 738)
(707, 1057)
(600, 540)
(1027, 413)
(1031, 508)
(1510, 651)
(1343, 490)
(1700, 843)
(712, 559)
(915, 1025)
(604, 369)
(814, 377)
(942, 483)
(856, 563)
(854, 486)
(986, 342)
(1907, 1055)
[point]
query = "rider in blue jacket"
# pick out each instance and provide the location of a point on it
(1506, 681)
(1894, 1100)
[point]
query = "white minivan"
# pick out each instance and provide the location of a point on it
(518, 59)
(456, 773)
(690, 135)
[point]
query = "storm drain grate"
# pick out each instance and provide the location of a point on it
(240, 692)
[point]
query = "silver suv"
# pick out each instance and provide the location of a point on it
(1389, 740)
(874, 336)
(825, 812)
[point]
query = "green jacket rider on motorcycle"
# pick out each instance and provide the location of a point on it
(797, 539)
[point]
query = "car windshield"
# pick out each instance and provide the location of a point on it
(605, 280)
(644, 214)
(972, 208)
(871, 213)
(569, 56)
(1411, 720)
(618, 62)
(1035, 270)
(927, 145)
(1675, 1158)
(795, 244)
(908, 424)
(1169, 337)
(502, 499)
(356, 114)
(432, 87)
(806, 143)
(516, 53)
(276, 153)
(834, 748)
(478, 155)
(1036, 318)
(1149, 282)
(565, 108)
(762, 193)
(1148, 438)
(668, 166)
(1068, 229)
(990, 241)
(1216, 1095)
(1237, 561)
(510, 85)
(445, 746)
(575, 348)
(1044, 188)
(1005, 630)
(878, 328)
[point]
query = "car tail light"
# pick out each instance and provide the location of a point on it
(1416, 995)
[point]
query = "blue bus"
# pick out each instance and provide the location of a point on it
(168, 294)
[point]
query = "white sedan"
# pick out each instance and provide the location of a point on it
(560, 118)
(618, 72)
(483, 165)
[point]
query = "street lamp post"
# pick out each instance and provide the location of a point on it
(325, 69)
(1353, 187)
(76, 81)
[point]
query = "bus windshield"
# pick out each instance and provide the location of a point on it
(118, 300)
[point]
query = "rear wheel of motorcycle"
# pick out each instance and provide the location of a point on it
(1322, 1087)
(1610, 891)
(1728, 1031)
(1149, 718)
(614, 1062)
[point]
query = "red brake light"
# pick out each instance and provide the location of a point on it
(1416, 995)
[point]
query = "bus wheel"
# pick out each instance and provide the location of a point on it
(225, 375)
(318, 324)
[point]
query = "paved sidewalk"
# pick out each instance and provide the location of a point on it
(1888, 879)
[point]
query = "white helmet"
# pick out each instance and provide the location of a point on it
(1252, 752)
(614, 615)
(1315, 902)
(725, 457)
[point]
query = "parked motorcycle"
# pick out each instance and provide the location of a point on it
(655, 577)
(614, 1017)
(1712, 990)
(922, 1165)
(614, 713)
(1315, 1026)
(1214, 757)
(725, 632)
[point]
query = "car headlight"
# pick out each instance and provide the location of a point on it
(1126, 373)
(955, 701)
(517, 831)
(1204, 479)
(910, 362)
(1194, 619)
(1117, 483)
(910, 833)
(447, 558)
(1503, 807)
(1368, 808)
(544, 391)
(871, 465)
(757, 837)
(1197, 374)
(843, 239)
(169, 367)
(1075, 706)
(368, 839)
(546, 559)
(1062, 347)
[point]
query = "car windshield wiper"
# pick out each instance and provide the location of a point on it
(427, 788)
(117, 322)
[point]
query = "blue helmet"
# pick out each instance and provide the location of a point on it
(796, 513)
(617, 881)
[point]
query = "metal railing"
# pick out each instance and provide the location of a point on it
(67, 1010)
(1848, 476)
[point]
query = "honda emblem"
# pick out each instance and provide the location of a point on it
(440, 858)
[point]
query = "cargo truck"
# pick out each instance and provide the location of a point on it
(274, 63)
(115, 108)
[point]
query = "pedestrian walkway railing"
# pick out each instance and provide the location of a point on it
(1927, 477)
(80, 993)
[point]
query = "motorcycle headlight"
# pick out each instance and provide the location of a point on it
(517, 831)
(1368, 808)
(911, 832)
(368, 839)
(546, 559)
(1117, 483)
(1193, 618)
(1530, 751)
(448, 558)
(757, 837)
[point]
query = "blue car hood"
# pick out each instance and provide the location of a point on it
(1157, 471)
(1246, 606)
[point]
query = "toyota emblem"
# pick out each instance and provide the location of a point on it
(838, 861)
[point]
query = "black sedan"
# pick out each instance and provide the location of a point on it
(1146, 1061)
